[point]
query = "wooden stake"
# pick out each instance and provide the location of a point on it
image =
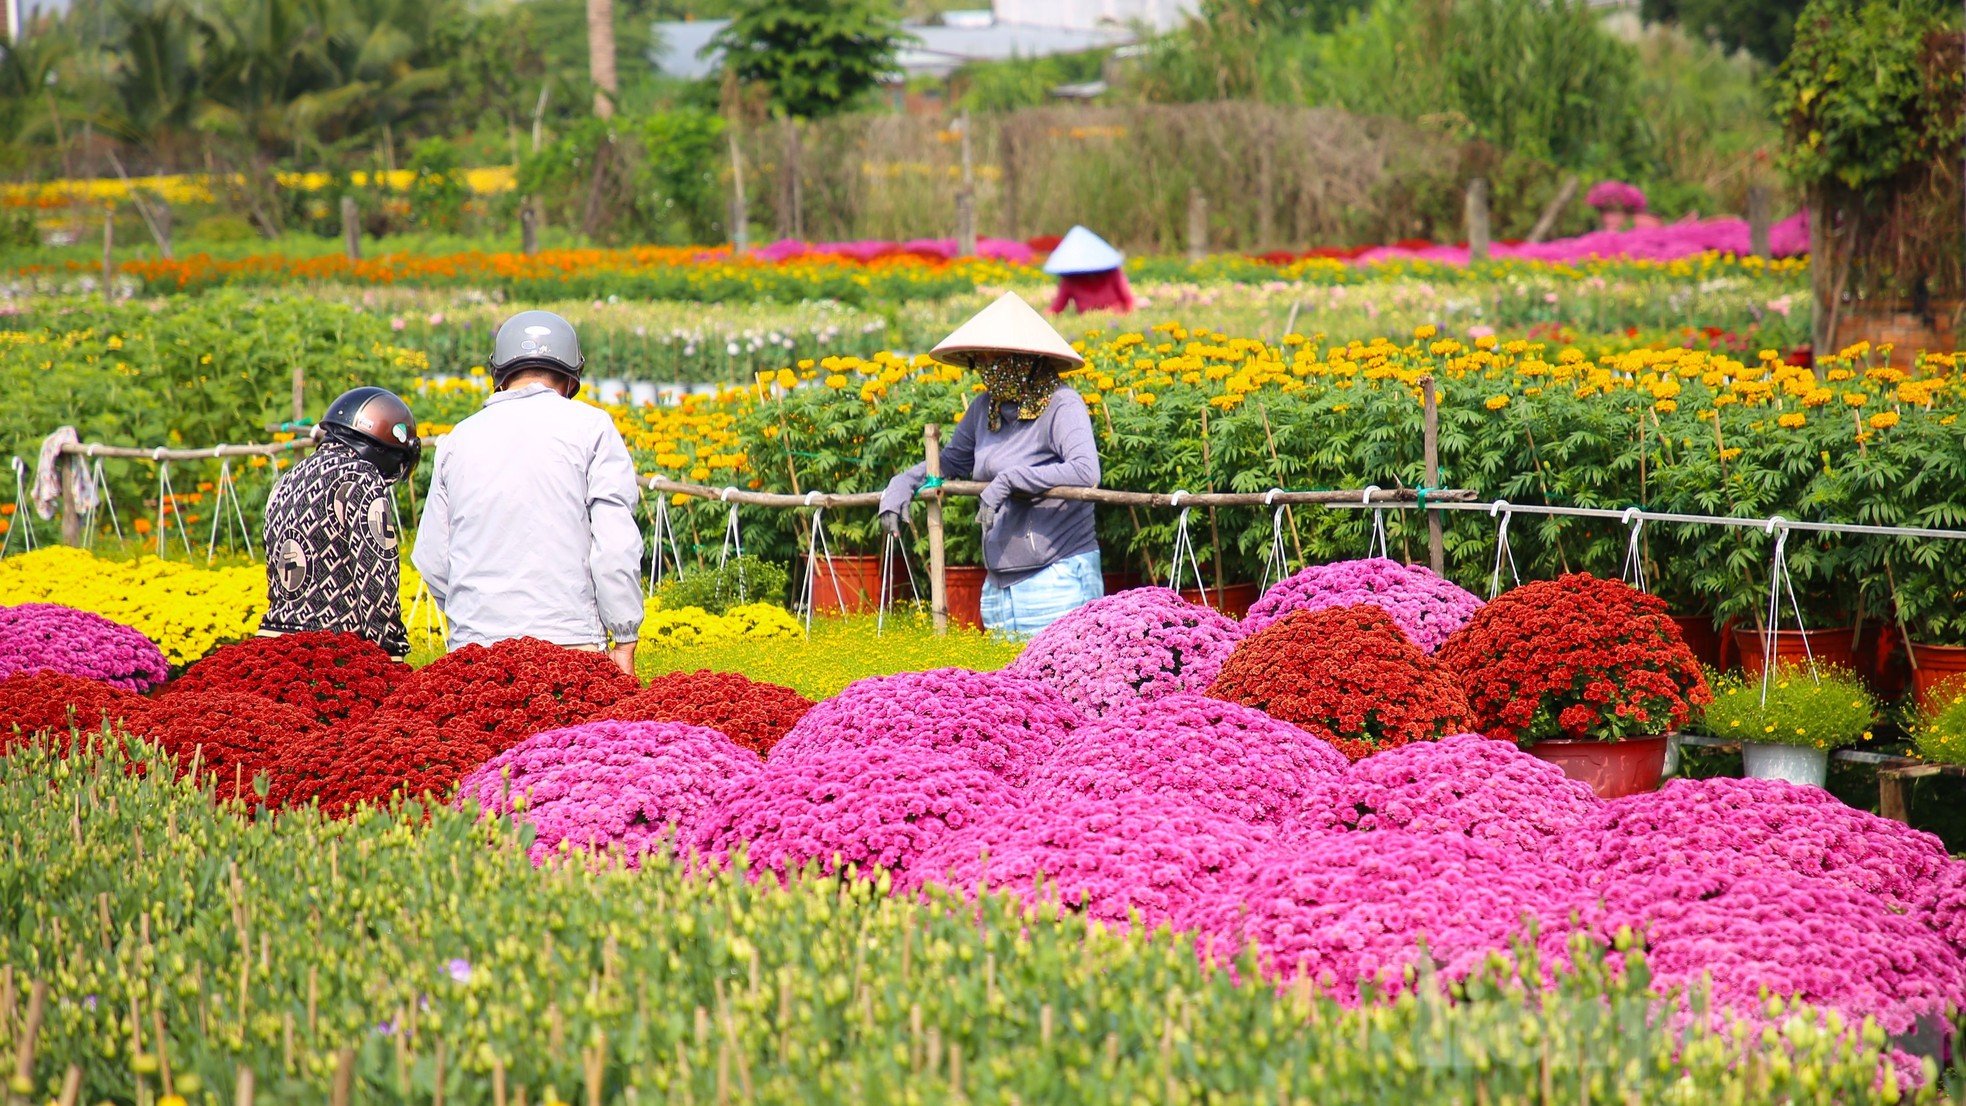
(351, 229)
(740, 216)
(1197, 225)
(37, 1000)
(1477, 219)
(498, 1081)
(1430, 444)
(938, 569)
(1546, 222)
(108, 253)
(71, 1086)
(1214, 525)
(344, 1074)
(529, 226)
(1758, 216)
(242, 1087)
(966, 198)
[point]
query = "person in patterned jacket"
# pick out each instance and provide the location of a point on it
(331, 534)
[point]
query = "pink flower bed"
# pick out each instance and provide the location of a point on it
(872, 249)
(1667, 242)
(1231, 759)
(1105, 857)
(1349, 908)
(1003, 724)
(1466, 784)
(1426, 608)
(1138, 644)
(609, 786)
(1697, 836)
(874, 805)
(46, 637)
(1943, 905)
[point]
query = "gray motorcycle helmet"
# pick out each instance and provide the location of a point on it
(535, 340)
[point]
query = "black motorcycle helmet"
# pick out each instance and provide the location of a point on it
(378, 426)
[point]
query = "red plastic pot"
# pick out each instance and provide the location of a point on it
(1937, 664)
(1613, 769)
(1835, 648)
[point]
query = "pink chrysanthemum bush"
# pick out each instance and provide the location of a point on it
(1943, 905)
(1787, 935)
(1143, 643)
(877, 805)
(1465, 784)
(609, 787)
(1111, 858)
(1426, 608)
(47, 637)
(1232, 759)
(1004, 724)
(1701, 835)
(1350, 908)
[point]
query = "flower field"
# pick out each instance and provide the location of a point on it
(1289, 828)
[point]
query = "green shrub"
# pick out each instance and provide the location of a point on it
(1821, 711)
(221, 230)
(1940, 730)
(745, 579)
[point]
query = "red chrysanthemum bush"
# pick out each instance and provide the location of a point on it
(231, 735)
(749, 712)
(50, 702)
(1577, 657)
(388, 754)
(1347, 675)
(338, 678)
(511, 690)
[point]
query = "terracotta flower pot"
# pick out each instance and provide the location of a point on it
(1613, 769)
(1233, 600)
(1701, 637)
(1936, 665)
(1835, 647)
(965, 595)
(848, 584)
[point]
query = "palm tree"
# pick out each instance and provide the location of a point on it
(600, 55)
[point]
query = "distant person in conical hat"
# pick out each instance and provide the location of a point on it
(1028, 432)
(1089, 274)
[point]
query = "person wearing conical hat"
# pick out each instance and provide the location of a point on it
(1026, 433)
(1089, 274)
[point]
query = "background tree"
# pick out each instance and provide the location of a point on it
(815, 56)
(1763, 28)
(600, 56)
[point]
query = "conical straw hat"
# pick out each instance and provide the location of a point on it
(1007, 326)
(1082, 251)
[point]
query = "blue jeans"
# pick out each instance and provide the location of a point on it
(1044, 597)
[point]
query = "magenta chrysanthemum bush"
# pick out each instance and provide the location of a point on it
(1346, 908)
(1426, 608)
(1697, 836)
(875, 805)
(1001, 723)
(1232, 759)
(608, 786)
(46, 637)
(1104, 856)
(1144, 643)
(1789, 935)
(1465, 784)
(1943, 905)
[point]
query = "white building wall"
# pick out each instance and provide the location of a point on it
(1161, 15)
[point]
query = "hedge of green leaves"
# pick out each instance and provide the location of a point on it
(428, 948)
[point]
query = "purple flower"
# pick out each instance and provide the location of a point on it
(1132, 646)
(1426, 608)
(1226, 757)
(606, 786)
(460, 970)
(999, 722)
(44, 637)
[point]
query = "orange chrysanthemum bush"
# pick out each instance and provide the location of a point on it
(338, 678)
(231, 736)
(60, 706)
(1347, 675)
(1578, 657)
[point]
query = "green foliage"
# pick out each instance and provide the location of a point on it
(840, 651)
(646, 179)
(1022, 82)
(1939, 733)
(1856, 95)
(1763, 28)
(221, 230)
(438, 193)
(683, 155)
(814, 57)
(718, 588)
(1824, 709)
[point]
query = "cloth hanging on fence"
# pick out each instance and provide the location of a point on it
(47, 476)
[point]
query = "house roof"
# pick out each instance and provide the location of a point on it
(935, 51)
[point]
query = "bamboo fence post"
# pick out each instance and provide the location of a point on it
(740, 225)
(1430, 437)
(528, 227)
(938, 571)
(1758, 202)
(351, 229)
(1197, 225)
(70, 468)
(108, 252)
(1477, 218)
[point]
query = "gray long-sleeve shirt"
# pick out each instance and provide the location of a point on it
(530, 529)
(1025, 456)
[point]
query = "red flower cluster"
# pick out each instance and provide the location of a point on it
(1348, 675)
(35, 702)
(1575, 657)
(390, 753)
(511, 690)
(233, 735)
(338, 678)
(752, 714)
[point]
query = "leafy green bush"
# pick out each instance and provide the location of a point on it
(1940, 730)
(745, 579)
(1802, 709)
(422, 950)
(438, 193)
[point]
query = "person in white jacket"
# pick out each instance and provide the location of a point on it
(529, 529)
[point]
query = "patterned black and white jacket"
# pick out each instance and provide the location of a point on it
(331, 551)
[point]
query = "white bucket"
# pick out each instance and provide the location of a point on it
(1808, 767)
